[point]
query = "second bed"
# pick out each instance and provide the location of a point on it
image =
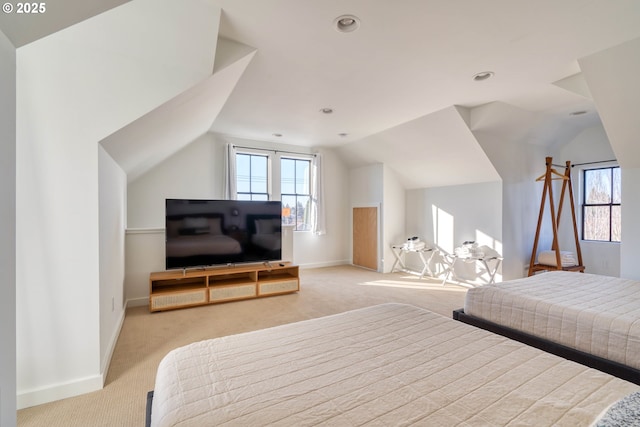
(590, 318)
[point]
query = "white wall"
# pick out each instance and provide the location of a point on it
(366, 189)
(74, 88)
(332, 248)
(629, 265)
(449, 216)
(197, 172)
(58, 342)
(112, 198)
(144, 250)
(591, 145)
(377, 185)
(367, 185)
(519, 164)
(611, 75)
(393, 216)
(7, 233)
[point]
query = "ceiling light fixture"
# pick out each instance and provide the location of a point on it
(347, 23)
(277, 135)
(326, 110)
(343, 134)
(579, 113)
(479, 77)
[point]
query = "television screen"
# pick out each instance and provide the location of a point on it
(211, 232)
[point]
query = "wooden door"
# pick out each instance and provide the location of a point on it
(365, 237)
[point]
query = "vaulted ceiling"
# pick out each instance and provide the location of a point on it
(401, 86)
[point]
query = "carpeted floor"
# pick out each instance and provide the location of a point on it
(146, 338)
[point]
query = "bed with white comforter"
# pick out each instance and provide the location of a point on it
(389, 364)
(598, 315)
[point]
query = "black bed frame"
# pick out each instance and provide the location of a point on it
(147, 420)
(610, 367)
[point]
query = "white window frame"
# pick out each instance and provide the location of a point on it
(261, 153)
(308, 159)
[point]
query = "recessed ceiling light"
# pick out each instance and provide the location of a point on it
(326, 110)
(343, 134)
(346, 23)
(479, 77)
(277, 135)
(579, 113)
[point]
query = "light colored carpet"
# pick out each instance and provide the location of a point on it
(147, 337)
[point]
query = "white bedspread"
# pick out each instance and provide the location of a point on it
(596, 314)
(385, 365)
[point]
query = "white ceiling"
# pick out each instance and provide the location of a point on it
(391, 82)
(408, 59)
(23, 29)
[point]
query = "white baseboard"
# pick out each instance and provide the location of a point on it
(104, 369)
(72, 388)
(324, 264)
(96, 382)
(59, 391)
(137, 302)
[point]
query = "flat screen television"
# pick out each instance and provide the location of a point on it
(202, 233)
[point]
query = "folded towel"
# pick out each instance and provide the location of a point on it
(469, 250)
(567, 259)
(416, 246)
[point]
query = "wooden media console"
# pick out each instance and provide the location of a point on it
(173, 289)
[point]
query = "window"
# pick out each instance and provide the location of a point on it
(295, 175)
(252, 176)
(601, 215)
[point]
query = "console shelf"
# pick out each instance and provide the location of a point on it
(173, 289)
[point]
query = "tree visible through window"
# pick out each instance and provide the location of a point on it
(601, 213)
(296, 192)
(252, 176)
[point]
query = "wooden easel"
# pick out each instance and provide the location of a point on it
(551, 175)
